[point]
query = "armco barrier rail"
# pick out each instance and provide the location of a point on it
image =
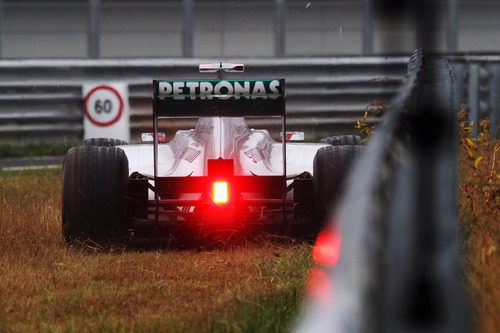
(40, 100)
(477, 86)
(398, 269)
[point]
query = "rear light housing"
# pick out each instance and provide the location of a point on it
(220, 171)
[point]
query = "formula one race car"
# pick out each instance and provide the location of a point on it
(219, 176)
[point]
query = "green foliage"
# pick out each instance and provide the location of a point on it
(269, 313)
(377, 109)
(275, 311)
(34, 150)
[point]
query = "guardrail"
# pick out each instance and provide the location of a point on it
(398, 269)
(41, 100)
(477, 86)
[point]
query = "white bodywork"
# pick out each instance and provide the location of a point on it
(254, 151)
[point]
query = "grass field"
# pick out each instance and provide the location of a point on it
(479, 215)
(46, 286)
(34, 150)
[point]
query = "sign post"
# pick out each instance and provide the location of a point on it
(106, 111)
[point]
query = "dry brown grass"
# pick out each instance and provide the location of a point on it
(479, 209)
(46, 286)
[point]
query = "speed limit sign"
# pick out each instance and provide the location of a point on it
(106, 111)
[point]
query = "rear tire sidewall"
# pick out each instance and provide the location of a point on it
(94, 195)
(331, 167)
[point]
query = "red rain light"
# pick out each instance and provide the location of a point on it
(220, 193)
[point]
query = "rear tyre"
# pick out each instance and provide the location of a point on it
(95, 183)
(342, 140)
(107, 142)
(330, 167)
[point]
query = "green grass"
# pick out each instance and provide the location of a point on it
(34, 150)
(274, 311)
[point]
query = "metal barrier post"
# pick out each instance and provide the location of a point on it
(368, 28)
(279, 28)
(94, 28)
(473, 96)
(494, 101)
(1, 27)
(187, 29)
(459, 85)
(452, 26)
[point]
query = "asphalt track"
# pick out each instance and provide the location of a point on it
(25, 163)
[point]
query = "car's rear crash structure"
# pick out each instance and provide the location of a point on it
(219, 176)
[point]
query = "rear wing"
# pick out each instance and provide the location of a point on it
(219, 98)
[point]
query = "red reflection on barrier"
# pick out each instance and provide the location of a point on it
(326, 249)
(319, 286)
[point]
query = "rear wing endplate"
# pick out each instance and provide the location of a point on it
(219, 98)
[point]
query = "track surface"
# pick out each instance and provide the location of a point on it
(31, 162)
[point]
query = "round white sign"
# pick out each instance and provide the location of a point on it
(103, 106)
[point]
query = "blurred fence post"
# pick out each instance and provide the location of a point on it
(399, 268)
